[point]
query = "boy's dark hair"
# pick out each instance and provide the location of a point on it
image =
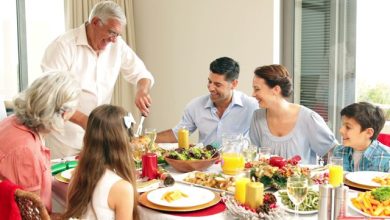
(367, 115)
(225, 66)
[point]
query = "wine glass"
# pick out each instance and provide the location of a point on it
(297, 188)
(138, 149)
(152, 134)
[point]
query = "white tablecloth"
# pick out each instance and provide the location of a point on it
(59, 195)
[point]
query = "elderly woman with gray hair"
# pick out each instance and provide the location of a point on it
(43, 107)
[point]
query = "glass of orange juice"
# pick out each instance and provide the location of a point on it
(336, 172)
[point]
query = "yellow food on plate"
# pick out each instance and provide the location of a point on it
(171, 196)
(368, 204)
(382, 180)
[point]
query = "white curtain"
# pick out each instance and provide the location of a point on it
(77, 12)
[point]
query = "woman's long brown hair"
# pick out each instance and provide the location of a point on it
(106, 145)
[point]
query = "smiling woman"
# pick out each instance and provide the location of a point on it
(289, 129)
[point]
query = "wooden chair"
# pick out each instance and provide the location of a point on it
(30, 205)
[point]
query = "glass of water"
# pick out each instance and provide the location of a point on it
(265, 152)
(250, 152)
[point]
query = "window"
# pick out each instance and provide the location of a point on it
(42, 27)
(337, 47)
(324, 56)
(9, 52)
(372, 46)
(26, 31)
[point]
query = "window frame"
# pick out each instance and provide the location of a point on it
(22, 44)
(342, 69)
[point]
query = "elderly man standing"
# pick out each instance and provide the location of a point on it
(224, 110)
(96, 53)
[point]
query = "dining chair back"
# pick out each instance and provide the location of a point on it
(384, 139)
(30, 205)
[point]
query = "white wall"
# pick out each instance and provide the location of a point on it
(177, 40)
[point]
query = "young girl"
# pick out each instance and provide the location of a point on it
(103, 184)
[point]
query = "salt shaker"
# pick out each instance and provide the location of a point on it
(340, 199)
(325, 203)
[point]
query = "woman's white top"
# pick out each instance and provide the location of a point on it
(98, 208)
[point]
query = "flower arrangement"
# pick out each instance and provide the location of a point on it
(273, 172)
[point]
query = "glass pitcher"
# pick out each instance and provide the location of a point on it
(233, 160)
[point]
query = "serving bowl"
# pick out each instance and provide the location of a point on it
(191, 165)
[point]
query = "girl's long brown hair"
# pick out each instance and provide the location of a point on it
(106, 145)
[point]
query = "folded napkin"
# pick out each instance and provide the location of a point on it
(8, 207)
(215, 209)
(58, 168)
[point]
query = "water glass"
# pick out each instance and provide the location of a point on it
(250, 152)
(265, 152)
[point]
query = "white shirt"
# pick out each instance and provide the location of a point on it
(98, 208)
(97, 74)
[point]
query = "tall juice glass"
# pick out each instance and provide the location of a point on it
(183, 137)
(336, 174)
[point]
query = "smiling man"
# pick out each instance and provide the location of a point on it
(223, 110)
(95, 53)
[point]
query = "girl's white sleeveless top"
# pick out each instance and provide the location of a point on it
(98, 208)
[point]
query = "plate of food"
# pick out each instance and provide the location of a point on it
(366, 178)
(180, 196)
(375, 203)
(67, 174)
(213, 181)
(309, 206)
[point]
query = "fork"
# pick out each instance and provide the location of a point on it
(139, 129)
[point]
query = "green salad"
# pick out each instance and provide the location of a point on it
(193, 153)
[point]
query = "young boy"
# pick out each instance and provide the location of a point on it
(361, 124)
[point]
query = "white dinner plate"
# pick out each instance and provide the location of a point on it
(142, 187)
(286, 208)
(364, 177)
(196, 196)
(168, 146)
(67, 174)
(354, 195)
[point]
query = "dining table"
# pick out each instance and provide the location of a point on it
(216, 212)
